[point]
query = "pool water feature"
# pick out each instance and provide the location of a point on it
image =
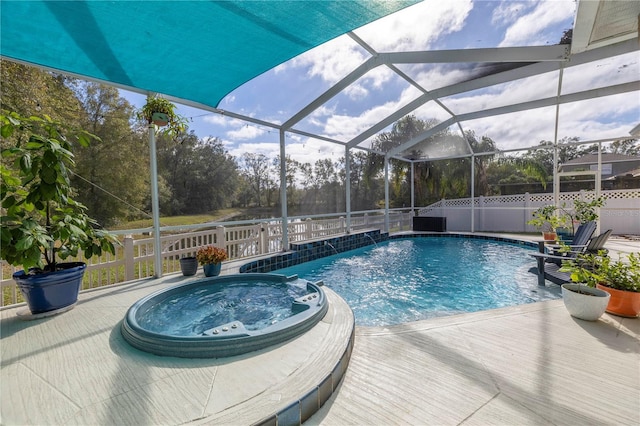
(224, 316)
(403, 280)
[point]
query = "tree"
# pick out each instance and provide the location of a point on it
(112, 177)
(255, 169)
(31, 91)
(481, 162)
(326, 180)
(402, 131)
(200, 173)
(291, 170)
(626, 147)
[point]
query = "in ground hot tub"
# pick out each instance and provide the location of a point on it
(224, 316)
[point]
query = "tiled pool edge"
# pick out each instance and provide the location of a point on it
(302, 409)
(305, 252)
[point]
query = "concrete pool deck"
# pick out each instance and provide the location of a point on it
(530, 364)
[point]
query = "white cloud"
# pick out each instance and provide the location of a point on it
(246, 132)
(269, 149)
(216, 120)
(600, 118)
(416, 27)
(345, 127)
(331, 61)
(413, 28)
(529, 29)
(508, 11)
(223, 121)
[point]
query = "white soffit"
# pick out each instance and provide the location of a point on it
(604, 22)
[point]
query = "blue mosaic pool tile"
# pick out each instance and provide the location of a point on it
(306, 252)
(309, 404)
(290, 416)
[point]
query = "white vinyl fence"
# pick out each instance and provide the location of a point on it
(510, 213)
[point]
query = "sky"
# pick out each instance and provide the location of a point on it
(278, 94)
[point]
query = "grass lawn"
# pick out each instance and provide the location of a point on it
(218, 216)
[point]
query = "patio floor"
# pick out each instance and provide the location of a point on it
(527, 365)
(530, 364)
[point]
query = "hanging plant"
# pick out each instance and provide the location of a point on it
(161, 112)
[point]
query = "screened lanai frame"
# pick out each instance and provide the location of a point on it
(536, 60)
(601, 30)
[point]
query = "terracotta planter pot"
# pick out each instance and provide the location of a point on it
(549, 236)
(622, 303)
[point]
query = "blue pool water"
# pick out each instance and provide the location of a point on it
(194, 310)
(411, 279)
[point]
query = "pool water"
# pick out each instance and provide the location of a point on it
(405, 280)
(191, 312)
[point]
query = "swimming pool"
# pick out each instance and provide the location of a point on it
(403, 280)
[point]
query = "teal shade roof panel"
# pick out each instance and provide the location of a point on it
(192, 50)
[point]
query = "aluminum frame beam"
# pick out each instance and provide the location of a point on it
(568, 98)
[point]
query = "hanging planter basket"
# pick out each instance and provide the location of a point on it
(160, 119)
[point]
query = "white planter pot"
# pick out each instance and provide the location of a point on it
(587, 307)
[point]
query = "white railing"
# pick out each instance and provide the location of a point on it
(134, 259)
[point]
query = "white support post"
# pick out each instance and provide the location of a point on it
(129, 265)
(155, 204)
(473, 192)
(413, 194)
(283, 194)
(347, 170)
(556, 178)
(386, 195)
(599, 184)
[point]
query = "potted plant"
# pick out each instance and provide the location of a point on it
(581, 298)
(188, 265)
(621, 279)
(211, 258)
(41, 222)
(547, 219)
(582, 212)
(161, 112)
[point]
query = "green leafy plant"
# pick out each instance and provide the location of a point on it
(156, 104)
(621, 274)
(584, 269)
(583, 211)
(591, 269)
(546, 218)
(211, 254)
(40, 219)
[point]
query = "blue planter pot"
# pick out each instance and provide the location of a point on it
(212, 269)
(51, 290)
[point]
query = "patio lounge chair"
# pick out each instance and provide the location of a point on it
(582, 236)
(550, 270)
